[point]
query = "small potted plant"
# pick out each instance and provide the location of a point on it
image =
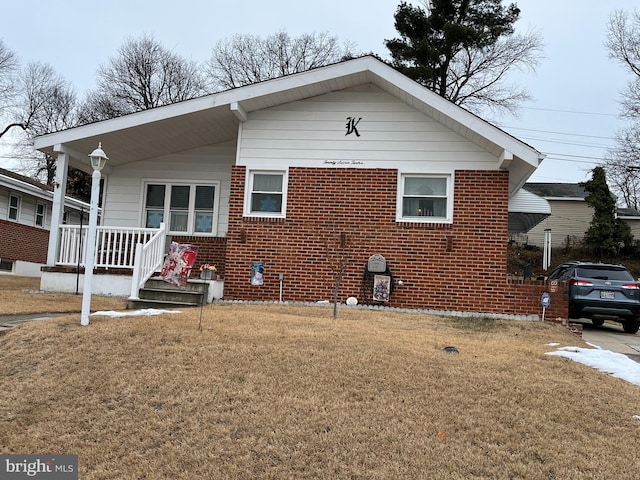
(206, 271)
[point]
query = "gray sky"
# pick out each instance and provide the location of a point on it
(572, 118)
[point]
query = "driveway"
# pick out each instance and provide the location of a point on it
(611, 337)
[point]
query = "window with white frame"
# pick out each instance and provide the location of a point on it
(185, 208)
(41, 210)
(425, 198)
(14, 207)
(266, 194)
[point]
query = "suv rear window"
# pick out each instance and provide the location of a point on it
(606, 273)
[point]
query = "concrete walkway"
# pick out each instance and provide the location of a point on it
(10, 321)
(611, 337)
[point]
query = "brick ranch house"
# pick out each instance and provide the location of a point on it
(303, 174)
(25, 221)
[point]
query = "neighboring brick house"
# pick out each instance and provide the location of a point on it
(25, 221)
(311, 174)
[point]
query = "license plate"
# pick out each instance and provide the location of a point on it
(607, 294)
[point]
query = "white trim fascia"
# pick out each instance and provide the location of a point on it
(83, 158)
(185, 107)
(363, 65)
(565, 199)
(238, 111)
(505, 159)
(459, 114)
(24, 187)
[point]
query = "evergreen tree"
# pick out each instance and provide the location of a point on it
(606, 233)
(463, 49)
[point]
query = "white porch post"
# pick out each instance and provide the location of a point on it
(57, 209)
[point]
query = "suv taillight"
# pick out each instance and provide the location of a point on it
(580, 283)
(632, 286)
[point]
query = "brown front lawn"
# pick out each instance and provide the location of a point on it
(271, 391)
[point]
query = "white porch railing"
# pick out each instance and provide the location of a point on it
(141, 249)
(115, 247)
(148, 258)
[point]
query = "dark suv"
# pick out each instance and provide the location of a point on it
(601, 291)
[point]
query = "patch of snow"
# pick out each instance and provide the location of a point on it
(615, 364)
(134, 313)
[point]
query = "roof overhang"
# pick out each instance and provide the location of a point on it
(215, 118)
(526, 210)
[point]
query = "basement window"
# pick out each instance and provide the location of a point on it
(6, 265)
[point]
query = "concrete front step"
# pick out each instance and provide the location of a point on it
(138, 303)
(160, 294)
(185, 296)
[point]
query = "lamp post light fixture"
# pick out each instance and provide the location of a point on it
(98, 160)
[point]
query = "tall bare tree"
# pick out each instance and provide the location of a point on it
(143, 75)
(623, 161)
(245, 59)
(8, 69)
(47, 103)
(623, 43)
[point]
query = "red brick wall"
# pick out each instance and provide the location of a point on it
(459, 266)
(525, 297)
(22, 242)
(211, 250)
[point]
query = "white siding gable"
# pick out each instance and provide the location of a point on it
(312, 133)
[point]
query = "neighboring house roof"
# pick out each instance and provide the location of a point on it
(571, 191)
(557, 191)
(30, 186)
(629, 213)
(215, 118)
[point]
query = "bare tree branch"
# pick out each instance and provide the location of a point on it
(142, 75)
(247, 59)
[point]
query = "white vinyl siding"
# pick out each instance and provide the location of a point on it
(125, 193)
(312, 133)
(569, 218)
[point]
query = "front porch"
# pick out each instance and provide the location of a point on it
(125, 259)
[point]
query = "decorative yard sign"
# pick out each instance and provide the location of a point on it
(257, 273)
(546, 301)
(381, 288)
(178, 263)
